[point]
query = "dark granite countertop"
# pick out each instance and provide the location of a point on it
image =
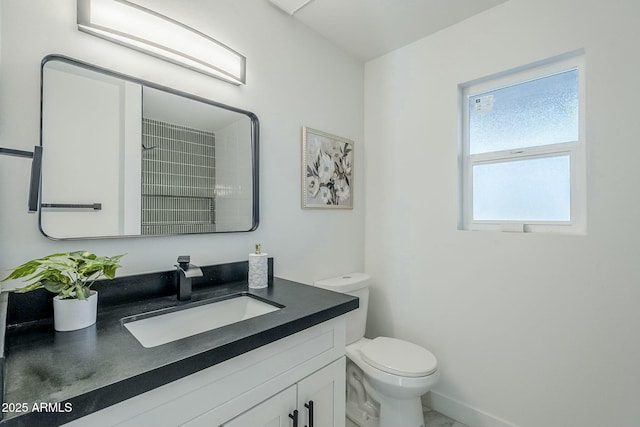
(93, 368)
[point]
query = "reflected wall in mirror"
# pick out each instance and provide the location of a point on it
(125, 157)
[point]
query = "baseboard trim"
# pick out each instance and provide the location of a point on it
(459, 411)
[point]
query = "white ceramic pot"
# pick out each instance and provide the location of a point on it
(73, 314)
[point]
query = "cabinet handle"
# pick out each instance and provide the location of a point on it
(309, 406)
(294, 417)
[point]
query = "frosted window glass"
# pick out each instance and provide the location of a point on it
(538, 112)
(523, 190)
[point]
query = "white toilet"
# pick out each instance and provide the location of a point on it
(385, 376)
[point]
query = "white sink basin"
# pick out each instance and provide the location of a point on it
(163, 328)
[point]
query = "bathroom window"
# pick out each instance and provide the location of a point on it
(522, 151)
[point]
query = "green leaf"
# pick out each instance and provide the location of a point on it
(29, 288)
(82, 292)
(23, 270)
(67, 274)
(55, 287)
(66, 293)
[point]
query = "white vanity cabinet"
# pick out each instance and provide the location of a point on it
(275, 412)
(323, 394)
(260, 387)
(316, 401)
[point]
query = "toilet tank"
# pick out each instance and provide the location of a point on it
(356, 284)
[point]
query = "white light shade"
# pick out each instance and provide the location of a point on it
(134, 26)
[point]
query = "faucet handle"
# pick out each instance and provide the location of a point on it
(183, 261)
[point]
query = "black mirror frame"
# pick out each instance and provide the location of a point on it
(255, 145)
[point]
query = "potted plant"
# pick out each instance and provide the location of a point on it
(70, 275)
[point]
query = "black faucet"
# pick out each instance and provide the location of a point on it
(186, 272)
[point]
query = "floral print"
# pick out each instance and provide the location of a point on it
(328, 170)
(313, 185)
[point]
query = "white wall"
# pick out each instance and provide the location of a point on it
(95, 133)
(233, 176)
(534, 330)
(294, 78)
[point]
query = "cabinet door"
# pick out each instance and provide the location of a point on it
(273, 412)
(323, 394)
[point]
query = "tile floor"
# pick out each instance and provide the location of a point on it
(431, 419)
(435, 419)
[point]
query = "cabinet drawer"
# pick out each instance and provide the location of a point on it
(229, 388)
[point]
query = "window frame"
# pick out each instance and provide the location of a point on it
(574, 149)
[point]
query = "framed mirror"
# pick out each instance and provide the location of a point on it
(124, 157)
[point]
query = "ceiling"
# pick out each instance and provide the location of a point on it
(370, 28)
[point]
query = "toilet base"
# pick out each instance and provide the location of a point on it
(401, 413)
(360, 408)
(360, 417)
(368, 407)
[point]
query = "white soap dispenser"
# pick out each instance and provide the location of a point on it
(258, 270)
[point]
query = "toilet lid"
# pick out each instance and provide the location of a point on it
(399, 357)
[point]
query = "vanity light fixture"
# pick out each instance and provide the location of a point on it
(137, 27)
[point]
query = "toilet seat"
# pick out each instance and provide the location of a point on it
(399, 357)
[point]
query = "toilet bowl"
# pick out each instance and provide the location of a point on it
(385, 376)
(396, 374)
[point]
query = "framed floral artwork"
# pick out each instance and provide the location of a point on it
(327, 170)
